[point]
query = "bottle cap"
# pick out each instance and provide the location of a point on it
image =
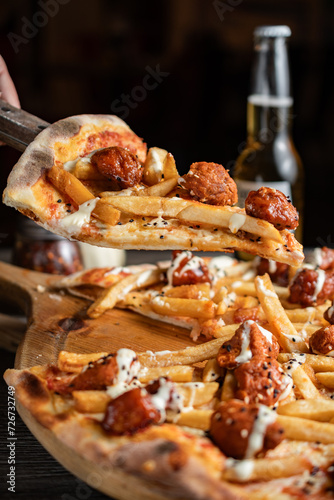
(272, 31)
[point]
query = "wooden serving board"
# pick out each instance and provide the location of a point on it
(59, 322)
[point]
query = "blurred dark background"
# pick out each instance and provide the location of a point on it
(80, 56)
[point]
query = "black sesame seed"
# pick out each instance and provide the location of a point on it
(228, 348)
(177, 195)
(59, 201)
(68, 204)
(131, 220)
(119, 223)
(161, 237)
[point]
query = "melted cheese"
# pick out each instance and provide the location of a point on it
(74, 222)
(236, 222)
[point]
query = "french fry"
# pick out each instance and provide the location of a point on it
(326, 379)
(284, 330)
(73, 362)
(301, 429)
(221, 216)
(85, 171)
(305, 384)
(200, 419)
(106, 213)
(169, 168)
(174, 373)
(197, 393)
(320, 410)
(110, 296)
(153, 166)
(65, 182)
(90, 401)
(248, 288)
(187, 356)
(228, 387)
(147, 206)
(267, 469)
(316, 361)
(199, 291)
(171, 306)
(226, 332)
(160, 189)
(212, 371)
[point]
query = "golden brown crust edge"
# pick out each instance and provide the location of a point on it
(189, 481)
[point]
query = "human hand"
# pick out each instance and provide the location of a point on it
(7, 88)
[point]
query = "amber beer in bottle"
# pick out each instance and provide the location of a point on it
(270, 157)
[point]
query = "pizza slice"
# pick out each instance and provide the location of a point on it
(90, 178)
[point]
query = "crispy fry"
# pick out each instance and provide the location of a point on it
(228, 387)
(91, 401)
(266, 469)
(188, 356)
(67, 183)
(160, 189)
(283, 329)
(302, 429)
(110, 296)
(148, 206)
(305, 384)
(199, 291)
(221, 216)
(153, 166)
(73, 362)
(174, 373)
(200, 419)
(326, 378)
(171, 306)
(212, 371)
(320, 410)
(197, 393)
(316, 361)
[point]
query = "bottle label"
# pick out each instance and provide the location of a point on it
(245, 186)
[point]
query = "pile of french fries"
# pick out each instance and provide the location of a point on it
(307, 414)
(214, 311)
(156, 197)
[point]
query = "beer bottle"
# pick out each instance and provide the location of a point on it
(270, 158)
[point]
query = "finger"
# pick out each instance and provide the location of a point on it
(7, 87)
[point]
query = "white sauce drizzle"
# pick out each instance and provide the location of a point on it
(166, 395)
(243, 468)
(128, 365)
(272, 266)
(265, 417)
(75, 221)
(268, 293)
(236, 222)
(156, 163)
(245, 353)
(319, 283)
(175, 264)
